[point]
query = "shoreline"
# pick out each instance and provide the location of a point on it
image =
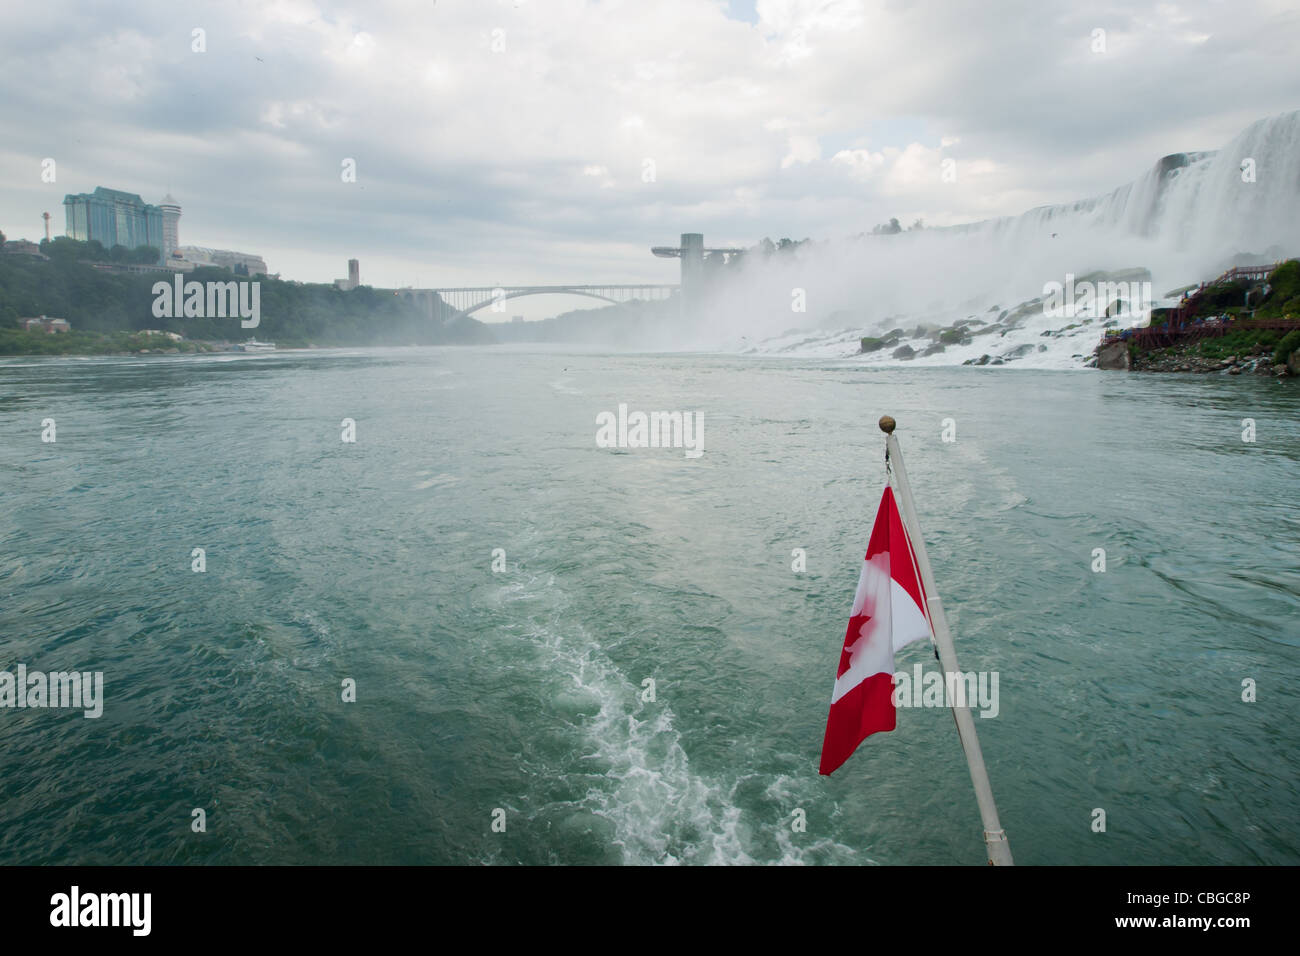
(1187, 360)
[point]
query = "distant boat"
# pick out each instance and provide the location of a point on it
(252, 345)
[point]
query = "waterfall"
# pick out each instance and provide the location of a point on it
(1187, 218)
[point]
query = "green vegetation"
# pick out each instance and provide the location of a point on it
(65, 249)
(1223, 298)
(1284, 292)
(957, 336)
(1240, 342)
(1289, 344)
(764, 248)
(894, 227)
(1229, 298)
(292, 314)
(16, 342)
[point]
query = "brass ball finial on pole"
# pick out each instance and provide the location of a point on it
(887, 424)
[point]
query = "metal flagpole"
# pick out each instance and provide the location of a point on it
(995, 838)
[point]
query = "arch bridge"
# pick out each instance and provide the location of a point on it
(460, 302)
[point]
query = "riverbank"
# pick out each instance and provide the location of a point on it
(102, 307)
(20, 342)
(1258, 353)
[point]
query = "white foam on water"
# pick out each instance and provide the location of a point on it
(661, 810)
(801, 849)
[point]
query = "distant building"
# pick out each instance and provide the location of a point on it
(354, 276)
(114, 218)
(171, 217)
(45, 323)
(517, 319)
(224, 258)
(125, 268)
(21, 247)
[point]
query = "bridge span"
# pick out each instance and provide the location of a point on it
(454, 303)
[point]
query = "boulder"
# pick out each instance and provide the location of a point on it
(1114, 357)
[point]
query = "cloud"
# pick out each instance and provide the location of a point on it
(496, 140)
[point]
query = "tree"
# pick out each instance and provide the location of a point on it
(62, 248)
(119, 253)
(887, 229)
(145, 255)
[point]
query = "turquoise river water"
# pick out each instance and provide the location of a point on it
(523, 689)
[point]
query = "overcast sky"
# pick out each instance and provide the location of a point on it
(553, 141)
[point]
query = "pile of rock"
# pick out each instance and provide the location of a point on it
(1173, 361)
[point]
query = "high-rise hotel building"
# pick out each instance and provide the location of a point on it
(116, 218)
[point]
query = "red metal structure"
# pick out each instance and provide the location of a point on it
(1180, 327)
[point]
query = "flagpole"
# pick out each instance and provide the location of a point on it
(995, 838)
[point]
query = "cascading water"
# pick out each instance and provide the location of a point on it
(1185, 220)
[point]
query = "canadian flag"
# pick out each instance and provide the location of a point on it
(888, 614)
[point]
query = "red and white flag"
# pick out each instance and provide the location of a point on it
(888, 614)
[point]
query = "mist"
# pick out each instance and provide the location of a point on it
(1187, 218)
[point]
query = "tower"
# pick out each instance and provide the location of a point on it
(46, 217)
(692, 253)
(354, 273)
(692, 266)
(171, 220)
